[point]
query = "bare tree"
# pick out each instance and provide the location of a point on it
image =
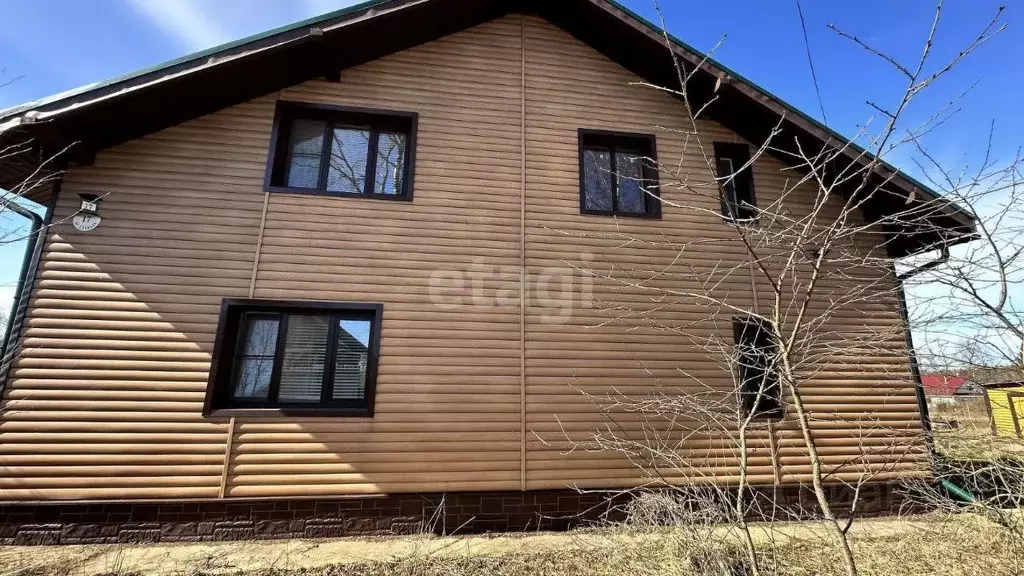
(820, 303)
(970, 307)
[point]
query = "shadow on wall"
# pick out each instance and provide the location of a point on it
(106, 400)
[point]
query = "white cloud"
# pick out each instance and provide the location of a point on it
(183, 20)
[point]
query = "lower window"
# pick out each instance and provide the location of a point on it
(295, 357)
(756, 356)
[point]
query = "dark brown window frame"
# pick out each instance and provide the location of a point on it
(778, 410)
(739, 154)
(219, 400)
(648, 146)
(372, 118)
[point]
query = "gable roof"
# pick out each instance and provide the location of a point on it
(104, 114)
(941, 384)
(1001, 385)
(969, 388)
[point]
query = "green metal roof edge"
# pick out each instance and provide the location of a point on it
(784, 104)
(188, 57)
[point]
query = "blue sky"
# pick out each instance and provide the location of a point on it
(49, 46)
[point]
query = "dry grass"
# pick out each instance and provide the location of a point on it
(962, 430)
(958, 545)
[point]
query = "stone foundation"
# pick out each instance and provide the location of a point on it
(441, 513)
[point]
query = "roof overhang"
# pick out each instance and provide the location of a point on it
(1000, 385)
(99, 116)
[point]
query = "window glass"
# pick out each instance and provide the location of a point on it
(390, 163)
(256, 363)
(629, 182)
(756, 367)
(725, 168)
(597, 180)
(307, 140)
(343, 152)
(305, 356)
(618, 174)
(351, 358)
(347, 170)
(296, 356)
(738, 190)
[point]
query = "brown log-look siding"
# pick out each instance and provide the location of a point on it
(569, 86)
(106, 400)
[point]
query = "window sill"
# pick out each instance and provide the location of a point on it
(740, 221)
(767, 418)
(646, 216)
(407, 197)
(311, 412)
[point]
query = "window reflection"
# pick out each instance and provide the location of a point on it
(256, 362)
(347, 171)
(390, 163)
(307, 138)
(350, 359)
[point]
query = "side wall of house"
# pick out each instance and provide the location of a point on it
(638, 336)
(473, 392)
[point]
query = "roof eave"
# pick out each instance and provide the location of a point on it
(280, 40)
(793, 115)
(216, 55)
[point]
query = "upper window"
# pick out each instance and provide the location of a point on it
(342, 151)
(295, 356)
(756, 357)
(618, 174)
(736, 181)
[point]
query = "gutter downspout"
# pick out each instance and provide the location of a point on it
(26, 280)
(942, 259)
(922, 401)
(915, 371)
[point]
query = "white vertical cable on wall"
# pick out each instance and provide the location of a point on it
(259, 245)
(252, 292)
(227, 458)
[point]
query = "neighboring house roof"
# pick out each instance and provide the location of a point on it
(350, 342)
(942, 385)
(1009, 384)
(101, 115)
(969, 388)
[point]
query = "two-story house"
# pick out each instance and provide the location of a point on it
(324, 280)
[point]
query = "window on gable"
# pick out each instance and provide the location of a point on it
(618, 174)
(343, 151)
(756, 355)
(295, 357)
(736, 182)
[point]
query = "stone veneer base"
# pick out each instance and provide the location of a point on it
(441, 513)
